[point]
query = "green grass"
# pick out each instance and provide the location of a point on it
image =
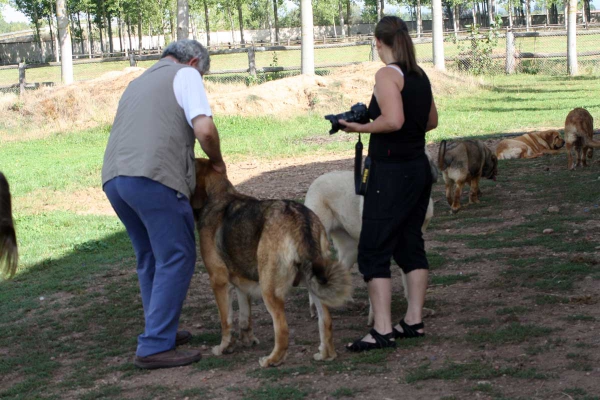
(344, 392)
(275, 393)
(511, 334)
(452, 371)
(447, 280)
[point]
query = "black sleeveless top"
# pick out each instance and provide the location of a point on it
(407, 143)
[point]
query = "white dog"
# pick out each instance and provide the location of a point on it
(332, 197)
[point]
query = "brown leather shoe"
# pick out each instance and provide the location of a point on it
(168, 359)
(182, 337)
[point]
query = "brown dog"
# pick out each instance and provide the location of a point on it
(9, 254)
(530, 145)
(263, 248)
(579, 134)
(467, 162)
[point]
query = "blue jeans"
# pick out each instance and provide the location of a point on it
(160, 224)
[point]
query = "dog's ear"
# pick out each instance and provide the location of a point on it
(199, 196)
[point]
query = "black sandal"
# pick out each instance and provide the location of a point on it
(381, 342)
(409, 331)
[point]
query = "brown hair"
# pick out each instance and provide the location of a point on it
(393, 32)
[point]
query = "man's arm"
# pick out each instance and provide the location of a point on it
(208, 136)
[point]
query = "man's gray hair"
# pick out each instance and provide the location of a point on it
(186, 49)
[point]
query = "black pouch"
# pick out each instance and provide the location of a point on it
(361, 176)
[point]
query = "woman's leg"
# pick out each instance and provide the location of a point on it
(380, 294)
(416, 281)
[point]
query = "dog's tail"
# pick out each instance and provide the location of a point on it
(9, 255)
(587, 142)
(328, 280)
(442, 155)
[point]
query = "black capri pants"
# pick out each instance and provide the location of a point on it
(394, 210)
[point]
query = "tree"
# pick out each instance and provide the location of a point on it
(183, 20)
(308, 40)
(64, 35)
(438, 35)
(572, 38)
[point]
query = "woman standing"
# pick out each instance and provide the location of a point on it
(402, 110)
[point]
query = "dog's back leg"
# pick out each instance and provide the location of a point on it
(326, 348)
(346, 247)
(245, 319)
(275, 306)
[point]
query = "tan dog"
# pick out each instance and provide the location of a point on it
(9, 254)
(465, 162)
(579, 136)
(530, 145)
(263, 248)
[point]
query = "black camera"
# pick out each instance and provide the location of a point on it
(358, 113)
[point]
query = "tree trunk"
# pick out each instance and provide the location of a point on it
(270, 23)
(39, 36)
(128, 22)
(438, 35)
(139, 31)
(241, 21)
(207, 24)
(91, 39)
(66, 66)
(528, 14)
(588, 11)
(308, 39)
(510, 15)
(348, 15)
(567, 14)
(490, 12)
(341, 14)
(231, 26)
(583, 15)
(382, 8)
(378, 8)
(276, 20)
(120, 23)
(52, 39)
(571, 37)
(110, 33)
(455, 19)
(419, 20)
(172, 24)
(183, 19)
(80, 34)
(474, 12)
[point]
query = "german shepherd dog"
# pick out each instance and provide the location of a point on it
(530, 145)
(9, 254)
(467, 162)
(263, 248)
(579, 136)
(333, 198)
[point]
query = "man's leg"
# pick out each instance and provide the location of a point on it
(139, 239)
(168, 218)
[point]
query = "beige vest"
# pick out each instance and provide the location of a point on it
(150, 136)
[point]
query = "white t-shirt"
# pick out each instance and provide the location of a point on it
(190, 94)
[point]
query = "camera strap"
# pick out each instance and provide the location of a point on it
(361, 176)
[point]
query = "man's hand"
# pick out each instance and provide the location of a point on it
(219, 166)
(208, 136)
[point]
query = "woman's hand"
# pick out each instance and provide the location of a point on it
(350, 127)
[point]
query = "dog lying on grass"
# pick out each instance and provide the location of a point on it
(9, 254)
(579, 137)
(465, 162)
(530, 145)
(264, 248)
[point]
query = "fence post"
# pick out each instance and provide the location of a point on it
(510, 52)
(374, 53)
(132, 62)
(21, 78)
(251, 60)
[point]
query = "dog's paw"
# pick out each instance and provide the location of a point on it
(266, 362)
(325, 356)
(248, 339)
(217, 351)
